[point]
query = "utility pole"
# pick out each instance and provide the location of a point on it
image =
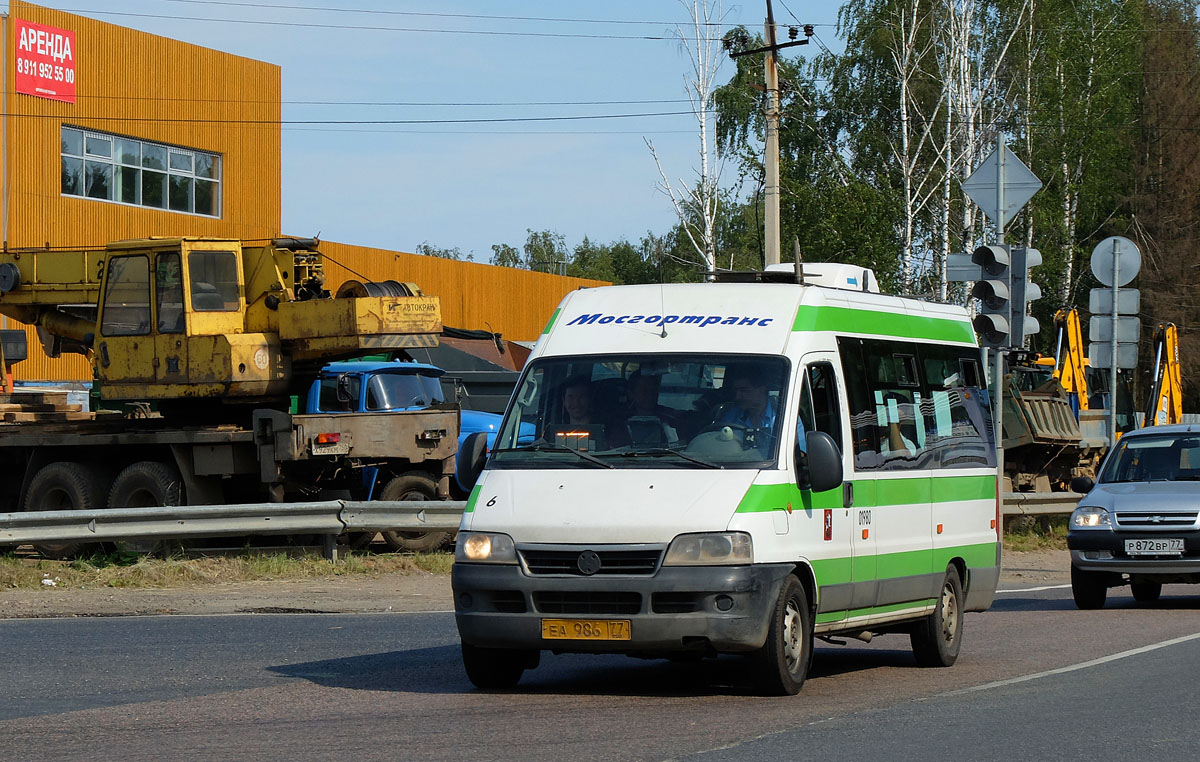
(771, 168)
(771, 160)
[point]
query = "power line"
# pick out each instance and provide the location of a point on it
(482, 120)
(433, 104)
(375, 28)
(428, 14)
(491, 132)
(427, 30)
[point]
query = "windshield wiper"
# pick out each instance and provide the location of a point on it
(661, 451)
(546, 447)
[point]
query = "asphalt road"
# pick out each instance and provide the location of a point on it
(1037, 679)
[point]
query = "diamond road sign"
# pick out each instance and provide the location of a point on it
(1001, 185)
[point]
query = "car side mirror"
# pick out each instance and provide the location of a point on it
(1082, 484)
(824, 467)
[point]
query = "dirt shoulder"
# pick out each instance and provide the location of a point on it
(399, 592)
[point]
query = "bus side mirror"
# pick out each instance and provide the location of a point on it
(472, 457)
(824, 468)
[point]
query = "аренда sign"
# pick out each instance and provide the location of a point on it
(45, 61)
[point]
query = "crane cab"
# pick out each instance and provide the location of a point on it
(172, 322)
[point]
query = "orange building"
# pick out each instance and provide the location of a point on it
(109, 133)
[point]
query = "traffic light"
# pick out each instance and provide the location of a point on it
(1024, 291)
(994, 290)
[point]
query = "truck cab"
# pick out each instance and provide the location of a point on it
(362, 386)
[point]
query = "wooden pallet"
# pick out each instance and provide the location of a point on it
(37, 407)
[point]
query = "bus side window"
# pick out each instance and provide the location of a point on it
(864, 436)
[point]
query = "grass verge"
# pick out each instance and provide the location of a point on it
(131, 570)
(1036, 533)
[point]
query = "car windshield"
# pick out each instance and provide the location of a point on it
(1153, 458)
(646, 411)
(396, 391)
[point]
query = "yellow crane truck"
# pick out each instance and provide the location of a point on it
(216, 336)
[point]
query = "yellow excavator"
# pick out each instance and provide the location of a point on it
(1165, 404)
(1069, 362)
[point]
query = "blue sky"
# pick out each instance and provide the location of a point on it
(466, 185)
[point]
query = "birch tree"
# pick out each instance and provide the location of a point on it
(696, 203)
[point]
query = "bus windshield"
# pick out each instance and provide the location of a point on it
(645, 411)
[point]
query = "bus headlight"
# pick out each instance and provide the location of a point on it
(710, 549)
(1088, 517)
(485, 548)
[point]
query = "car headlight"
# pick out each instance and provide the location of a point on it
(1089, 517)
(710, 549)
(485, 548)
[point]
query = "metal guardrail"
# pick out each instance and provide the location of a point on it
(1039, 503)
(329, 519)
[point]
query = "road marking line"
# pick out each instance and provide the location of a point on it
(1074, 667)
(1033, 589)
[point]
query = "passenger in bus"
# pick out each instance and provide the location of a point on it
(577, 401)
(894, 439)
(646, 421)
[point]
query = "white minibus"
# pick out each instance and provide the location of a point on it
(689, 470)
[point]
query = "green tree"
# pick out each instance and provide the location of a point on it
(546, 251)
(426, 249)
(1166, 192)
(504, 255)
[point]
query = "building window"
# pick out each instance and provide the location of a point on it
(140, 173)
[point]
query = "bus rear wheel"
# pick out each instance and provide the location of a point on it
(937, 639)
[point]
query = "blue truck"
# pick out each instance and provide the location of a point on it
(368, 389)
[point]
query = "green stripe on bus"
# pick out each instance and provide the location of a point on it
(553, 318)
(471, 500)
(846, 320)
(871, 493)
(836, 616)
(910, 563)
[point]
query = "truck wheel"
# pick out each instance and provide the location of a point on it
(66, 486)
(412, 486)
(1088, 588)
(497, 669)
(1146, 592)
(146, 484)
(938, 638)
(780, 666)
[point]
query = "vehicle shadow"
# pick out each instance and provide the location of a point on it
(1017, 603)
(1118, 598)
(439, 670)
